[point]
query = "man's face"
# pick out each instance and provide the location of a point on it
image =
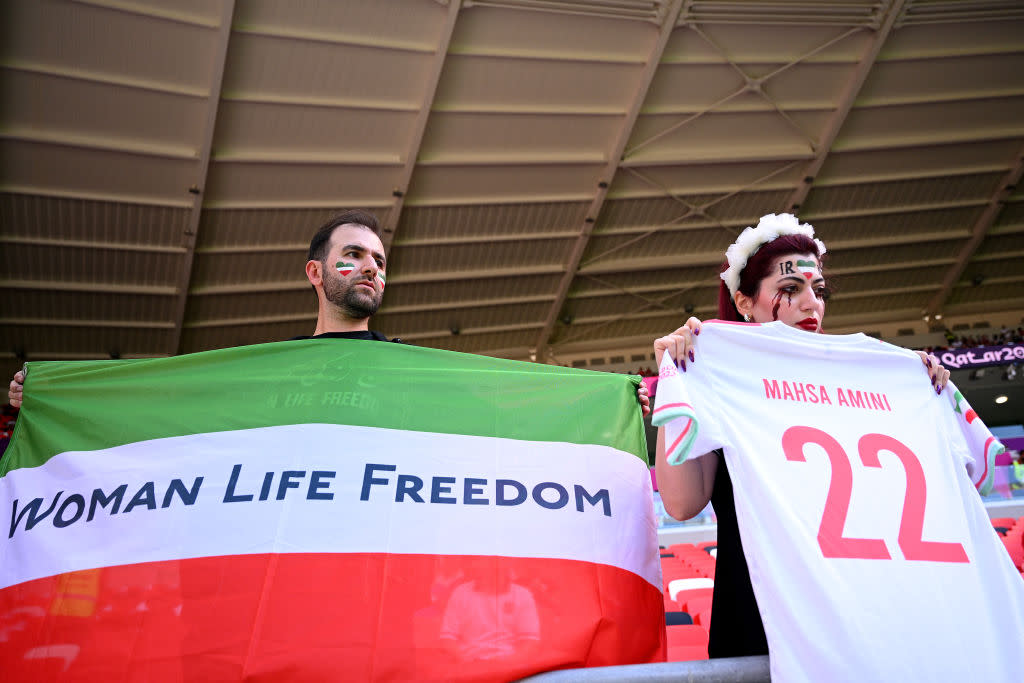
(353, 278)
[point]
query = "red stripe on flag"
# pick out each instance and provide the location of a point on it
(358, 616)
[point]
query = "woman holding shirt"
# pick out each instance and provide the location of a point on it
(773, 271)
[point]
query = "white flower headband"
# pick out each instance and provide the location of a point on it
(751, 239)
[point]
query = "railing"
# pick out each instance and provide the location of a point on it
(728, 670)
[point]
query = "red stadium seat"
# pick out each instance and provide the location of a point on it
(1007, 522)
(683, 596)
(685, 635)
(696, 604)
(673, 570)
(683, 551)
(703, 618)
(678, 585)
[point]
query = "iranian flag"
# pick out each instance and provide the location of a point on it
(807, 268)
(323, 510)
(344, 268)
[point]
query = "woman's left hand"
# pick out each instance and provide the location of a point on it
(936, 373)
(644, 398)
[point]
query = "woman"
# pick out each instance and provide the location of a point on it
(773, 271)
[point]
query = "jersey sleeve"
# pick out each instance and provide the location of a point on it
(689, 429)
(979, 448)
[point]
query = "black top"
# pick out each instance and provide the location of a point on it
(736, 628)
(358, 334)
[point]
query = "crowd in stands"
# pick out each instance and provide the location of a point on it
(1003, 336)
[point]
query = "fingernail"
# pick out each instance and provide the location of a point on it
(683, 366)
(691, 355)
(938, 389)
(928, 361)
(697, 331)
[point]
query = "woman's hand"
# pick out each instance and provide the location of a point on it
(679, 344)
(936, 373)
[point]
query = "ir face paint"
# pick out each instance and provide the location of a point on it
(345, 268)
(380, 276)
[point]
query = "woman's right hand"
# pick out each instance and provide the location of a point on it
(679, 344)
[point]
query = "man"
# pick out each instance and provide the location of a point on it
(346, 267)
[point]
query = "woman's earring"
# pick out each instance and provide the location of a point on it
(746, 317)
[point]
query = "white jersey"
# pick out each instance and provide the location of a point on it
(871, 555)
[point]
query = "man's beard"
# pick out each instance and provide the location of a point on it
(352, 301)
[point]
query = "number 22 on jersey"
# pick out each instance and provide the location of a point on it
(837, 502)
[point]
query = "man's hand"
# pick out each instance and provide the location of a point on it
(16, 393)
(644, 398)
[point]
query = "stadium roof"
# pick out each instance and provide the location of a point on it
(556, 177)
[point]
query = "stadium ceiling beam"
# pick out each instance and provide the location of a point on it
(668, 24)
(1003, 191)
(103, 144)
(89, 287)
(75, 322)
(412, 152)
(227, 13)
(91, 244)
(845, 106)
(641, 264)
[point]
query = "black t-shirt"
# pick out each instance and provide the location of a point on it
(358, 334)
(736, 628)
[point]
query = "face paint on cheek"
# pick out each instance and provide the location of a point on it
(380, 276)
(776, 302)
(344, 268)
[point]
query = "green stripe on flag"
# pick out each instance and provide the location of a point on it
(88, 405)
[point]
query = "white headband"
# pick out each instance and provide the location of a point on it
(750, 240)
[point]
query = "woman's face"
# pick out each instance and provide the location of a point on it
(793, 292)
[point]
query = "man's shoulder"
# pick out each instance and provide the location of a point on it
(369, 335)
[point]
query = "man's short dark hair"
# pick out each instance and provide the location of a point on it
(318, 245)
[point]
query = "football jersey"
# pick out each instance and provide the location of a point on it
(870, 552)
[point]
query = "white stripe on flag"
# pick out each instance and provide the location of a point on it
(615, 528)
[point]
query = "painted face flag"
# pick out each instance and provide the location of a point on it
(344, 268)
(807, 268)
(325, 509)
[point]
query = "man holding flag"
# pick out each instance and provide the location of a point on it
(322, 509)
